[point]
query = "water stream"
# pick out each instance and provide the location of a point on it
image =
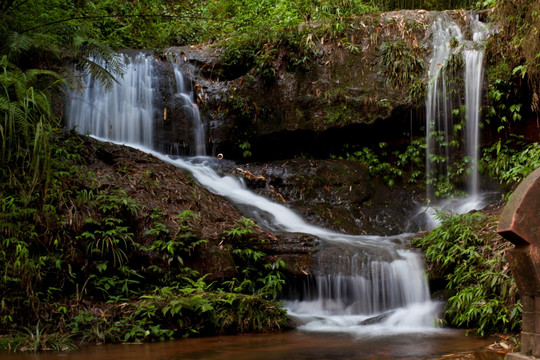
(375, 286)
(126, 112)
(293, 345)
(443, 99)
(369, 276)
(439, 104)
(474, 78)
(191, 109)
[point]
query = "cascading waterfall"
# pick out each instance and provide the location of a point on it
(439, 107)
(371, 293)
(367, 276)
(448, 41)
(474, 75)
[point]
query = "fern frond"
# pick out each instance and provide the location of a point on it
(48, 43)
(19, 43)
(13, 79)
(4, 103)
(98, 72)
(53, 79)
(6, 64)
(98, 59)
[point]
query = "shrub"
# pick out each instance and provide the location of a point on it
(467, 251)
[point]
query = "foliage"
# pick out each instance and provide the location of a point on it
(254, 274)
(33, 245)
(65, 237)
(181, 243)
(46, 280)
(245, 146)
(168, 312)
(407, 164)
(193, 310)
(403, 67)
(426, 4)
(516, 46)
(27, 120)
(483, 296)
(505, 102)
(37, 159)
(511, 161)
(36, 339)
(109, 238)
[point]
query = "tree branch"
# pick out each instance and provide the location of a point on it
(108, 16)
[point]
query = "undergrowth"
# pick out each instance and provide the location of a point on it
(511, 161)
(467, 253)
(78, 267)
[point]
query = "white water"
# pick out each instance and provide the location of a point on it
(447, 40)
(192, 111)
(438, 102)
(428, 216)
(366, 275)
(125, 112)
(358, 289)
(474, 76)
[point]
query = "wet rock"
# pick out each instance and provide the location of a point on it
(377, 319)
(340, 96)
(298, 251)
(335, 194)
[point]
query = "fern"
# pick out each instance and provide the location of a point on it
(97, 59)
(26, 119)
(19, 43)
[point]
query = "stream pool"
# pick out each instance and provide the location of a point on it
(290, 345)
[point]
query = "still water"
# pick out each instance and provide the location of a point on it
(291, 345)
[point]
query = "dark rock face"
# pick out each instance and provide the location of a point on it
(335, 194)
(341, 95)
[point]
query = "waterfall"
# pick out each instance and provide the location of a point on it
(192, 111)
(131, 110)
(123, 113)
(439, 103)
(447, 43)
(474, 75)
(363, 277)
(360, 283)
(444, 97)
(363, 287)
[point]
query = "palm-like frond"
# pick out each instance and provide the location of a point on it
(97, 59)
(19, 43)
